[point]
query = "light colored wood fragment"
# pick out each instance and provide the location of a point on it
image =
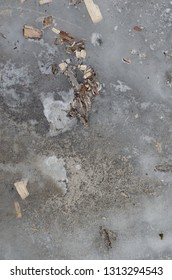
(30, 32)
(93, 11)
(82, 67)
(42, 2)
(88, 75)
(63, 66)
(21, 188)
(18, 209)
(55, 30)
(81, 54)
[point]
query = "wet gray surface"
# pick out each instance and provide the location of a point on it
(80, 179)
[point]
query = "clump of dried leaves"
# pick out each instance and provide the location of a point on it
(82, 78)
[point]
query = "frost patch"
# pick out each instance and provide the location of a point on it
(120, 87)
(55, 112)
(53, 167)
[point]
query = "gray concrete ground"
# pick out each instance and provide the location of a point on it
(81, 179)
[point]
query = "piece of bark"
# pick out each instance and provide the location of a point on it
(30, 32)
(93, 11)
(18, 209)
(21, 188)
(66, 36)
(42, 2)
(47, 21)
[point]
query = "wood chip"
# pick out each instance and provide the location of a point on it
(18, 209)
(138, 28)
(30, 32)
(63, 66)
(66, 36)
(42, 2)
(47, 21)
(93, 11)
(21, 188)
(81, 54)
(82, 67)
(55, 30)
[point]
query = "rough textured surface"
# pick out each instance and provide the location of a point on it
(83, 179)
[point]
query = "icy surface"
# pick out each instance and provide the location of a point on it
(83, 179)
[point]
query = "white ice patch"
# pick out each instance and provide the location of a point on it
(120, 86)
(55, 112)
(53, 168)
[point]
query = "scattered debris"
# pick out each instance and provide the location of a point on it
(108, 236)
(84, 91)
(30, 32)
(96, 39)
(138, 28)
(42, 2)
(161, 235)
(47, 21)
(22, 1)
(164, 167)
(18, 209)
(126, 60)
(93, 11)
(81, 77)
(21, 188)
